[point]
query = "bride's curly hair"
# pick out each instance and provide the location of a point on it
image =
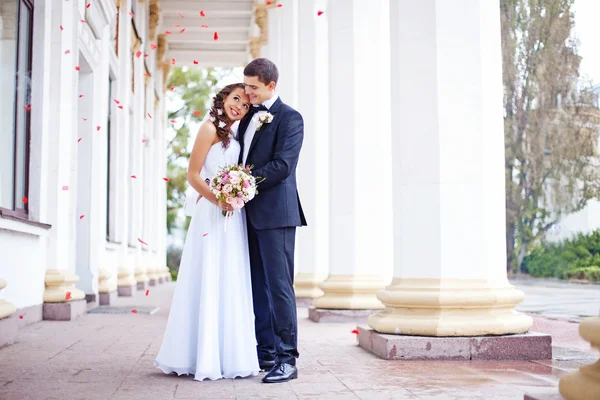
(216, 118)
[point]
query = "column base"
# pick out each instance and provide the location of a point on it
(109, 298)
(584, 384)
(304, 301)
(60, 287)
(339, 316)
(9, 328)
(306, 285)
(142, 286)
(520, 347)
(66, 311)
(450, 307)
(127, 291)
(543, 397)
(153, 282)
(91, 298)
(351, 292)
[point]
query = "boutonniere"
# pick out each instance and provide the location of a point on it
(264, 118)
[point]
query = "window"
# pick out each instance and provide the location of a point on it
(16, 26)
(108, 158)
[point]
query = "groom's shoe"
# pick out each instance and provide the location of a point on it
(281, 372)
(266, 365)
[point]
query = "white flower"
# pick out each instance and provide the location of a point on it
(219, 111)
(222, 124)
(263, 117)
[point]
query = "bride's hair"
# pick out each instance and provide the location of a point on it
(218, 114)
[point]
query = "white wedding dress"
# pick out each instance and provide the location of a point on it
(210, 331)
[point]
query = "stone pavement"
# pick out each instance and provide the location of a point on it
(102, 356)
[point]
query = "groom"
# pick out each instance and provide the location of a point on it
(271, 137)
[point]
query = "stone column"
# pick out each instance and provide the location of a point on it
(312, 245)
(107, 287)
(360, 225)
(584, 384)
(8, 324)
(448, 174)
(6, 308)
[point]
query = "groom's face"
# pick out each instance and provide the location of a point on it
(257, 91)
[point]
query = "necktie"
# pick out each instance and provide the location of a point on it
(260, 108)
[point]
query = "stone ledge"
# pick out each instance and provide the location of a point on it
(304, 301)
(107, 299)
(9, 328)
(67, 311)
(329, 315)
(528, 346)
(556, 396)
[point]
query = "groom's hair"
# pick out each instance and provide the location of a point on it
(264, 69)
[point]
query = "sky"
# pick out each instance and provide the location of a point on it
(587, 30)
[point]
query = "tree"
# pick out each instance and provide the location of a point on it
(551, 130)
(188, 96)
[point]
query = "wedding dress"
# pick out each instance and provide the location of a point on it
(210, 330)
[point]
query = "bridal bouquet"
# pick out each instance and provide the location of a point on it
(234, 185)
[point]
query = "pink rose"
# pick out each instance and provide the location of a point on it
(229, 200)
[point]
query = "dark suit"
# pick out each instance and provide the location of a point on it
(272, 217)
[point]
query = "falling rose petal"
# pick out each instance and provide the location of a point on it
(146, 55)
(181, 31)
(134, 177)
(81, 216)
(20, 317)
(61, 28)
(146, 74)
(98, 128)
(153, 46)
(216, 36)
(65, 187)
(84, 118)
(177, 26)
(88, 5)
(80, 96)
(24, 199)
(131, 14)
(27, 108)
(120, 106)
(173, 121)
(355, 331)
(149, 115)
(83, 21)
(68, 296)
(195, 62)
(144, 140)
(204, 234)
(116, 101)
(202, 14)
(138, 53)
(172, 87)
(180, 14)
(205, 26)
(319, 13)
(77, 68)
(166, 179)
(67, 51)
(79, 140)
(134, 311)
(167, 32)
(173, 61)
(269, 2)
(279, 5)
(147, 292)
(142, 242)
(196, 113)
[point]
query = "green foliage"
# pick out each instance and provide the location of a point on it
(577, 258)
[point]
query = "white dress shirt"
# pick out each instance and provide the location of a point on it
(251, 129)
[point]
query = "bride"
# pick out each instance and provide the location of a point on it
(210, 330)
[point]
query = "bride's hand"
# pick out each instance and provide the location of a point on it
(224, 206)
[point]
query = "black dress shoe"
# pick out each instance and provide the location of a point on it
(281, 372)
(265, 365)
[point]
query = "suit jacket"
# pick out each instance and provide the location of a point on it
(274, 152)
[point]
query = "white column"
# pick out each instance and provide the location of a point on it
(312, 247)
(584, 384)
(61, 186)
(360, 222)
(448, 174)
(282, 48)
(6, 308)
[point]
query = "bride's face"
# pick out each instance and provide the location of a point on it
(236, 105)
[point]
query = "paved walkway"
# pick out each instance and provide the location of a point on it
(102, 356)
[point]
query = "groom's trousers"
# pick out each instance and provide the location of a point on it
(272, 268)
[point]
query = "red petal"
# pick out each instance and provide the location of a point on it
(173, 121)
(177, 26)
(279, 5)
(77, 68)
(120, 106)
(81, 216)
(67, 51)
(319, 13)
(131, 14)
(150, 115)
(202, 14)
(65, 187)
(20, 317)
(80, 96)
(84, 118)
(181, 31)
(147, 291)
(216, 36)
(134, 311)
(180, 14)
(172, 87)
(153, 46)
(67, 295)
(196, 113)
(142, 242)
(195, 62)
(355, 331)
(24, 200)
(27, 108)
(167, 32)
(269, 2)
(79, 140)
(98, 128)
(146, 55)
(204, 234)
(173, 61)
(144, 140)
(84, 21)
(61, 28)
(205, 26)
(138, 53)
(134, 177)
(148, 75)
(88, 5)
(166, 179)
(116, 101)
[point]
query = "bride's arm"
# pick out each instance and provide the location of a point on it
(204, 140)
